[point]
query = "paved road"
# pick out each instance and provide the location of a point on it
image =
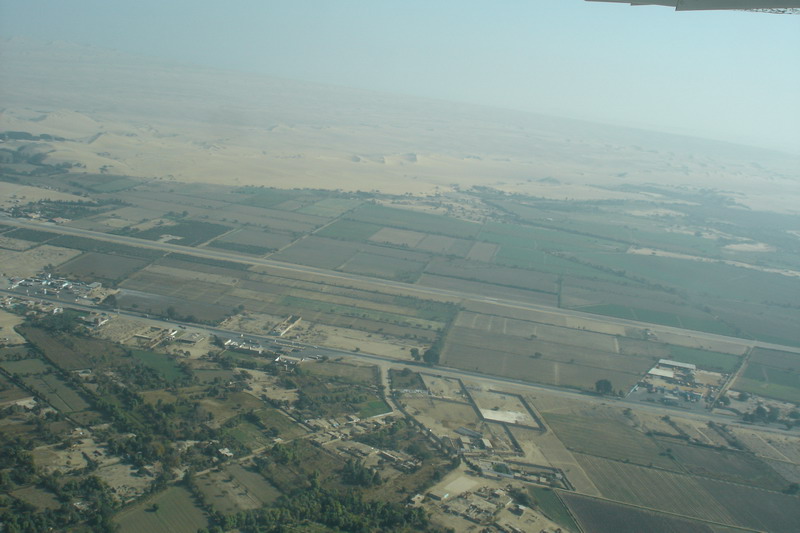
(406, 288)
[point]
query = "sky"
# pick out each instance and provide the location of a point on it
(724, 75)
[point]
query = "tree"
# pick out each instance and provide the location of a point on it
(415, 354)
(603, 386)
(431, 355)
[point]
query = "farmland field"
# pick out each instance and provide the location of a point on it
(25, 367)
(692, 496)
(372, 408)
(493, 274)
(72, 352)
(654, 489)
(733, 466)
(235, 488)
(286, 427)
(384, 267)
(161, 363)
(365, 375)
(254, 241)
(91, 267)
(397, 237)
(31, 235)
(442, 245)
(415, 220)
(782, 383)
(187, 233)
(350, 230)
(558, 364)
(607, 437)
(57, 392)
(598, 516)
(705, 359)
(330, 207)
(776, 359)
(177, 513)
(549, 502)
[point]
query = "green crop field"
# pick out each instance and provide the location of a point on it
(177, 513)
(189, 232)
(114, 185)
(776, 359)
(91, 267)
(654, 489)
(372, 408)
(415, 220)
(705, 359)
(601, 516)
(161, 363)
(608, 438)
(57, 392)
(330, 207)
(350, 230)
(25, 367)
(738, 467)
(549, 503)
(384, 267)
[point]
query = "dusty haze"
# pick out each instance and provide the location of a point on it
(124, 114)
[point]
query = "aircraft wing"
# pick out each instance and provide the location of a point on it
(776, 6)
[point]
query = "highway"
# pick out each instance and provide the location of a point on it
(403, 288)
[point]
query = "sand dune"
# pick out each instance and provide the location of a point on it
(129, 115)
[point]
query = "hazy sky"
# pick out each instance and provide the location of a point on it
(725, 75)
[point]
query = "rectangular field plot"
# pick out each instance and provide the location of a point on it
(359, 312)
(318, 252)
(9, 392)
(600, 516)
(733, 466)
(482, 251)
(415, 220)
(485, 289)
(443, 417)
(364, 375)
(539, 361)
(770, 390)
(397, 237)
(384, 267)
(252, 241)
(236, 489)
(91, 267)
(608, 437)
(330, 207)
(705, 359)
(655, 489)
(72, 352)
(501, 407)
(273, 419)
(755, 508)
(266, 198)
(777, 359)
(161, 363)
(25, 367)
(187, 233)
(664, 318)
(442, 245)
(350, 230)
(177, 512)
(781, 383)
(57, 392)
(493, 274)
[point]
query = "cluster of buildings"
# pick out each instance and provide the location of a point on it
(46, 284)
